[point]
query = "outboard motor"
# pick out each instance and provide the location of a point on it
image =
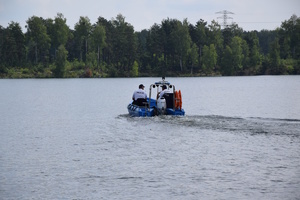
(161, 105)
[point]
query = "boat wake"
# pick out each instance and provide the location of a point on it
(252, 125)
(247, 125)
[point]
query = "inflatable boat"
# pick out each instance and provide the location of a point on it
(170, 103)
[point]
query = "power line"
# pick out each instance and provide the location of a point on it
(258, 22)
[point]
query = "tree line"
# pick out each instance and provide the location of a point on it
(111, 48)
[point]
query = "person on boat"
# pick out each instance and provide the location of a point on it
(139, 96)
(167, 95)
(164, 91)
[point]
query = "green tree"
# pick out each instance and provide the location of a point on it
(215, 37)
(60, 62)
(231, 31)
(274, 56)
(209, 58)
(107, 51)
(2, 59)
(226, 64)
(167, 44)
(193, 54)
(91, 60)
(215, 34)
(135, 69)
(155, 46)
(202, 33)
(182, 40)
(255, 57)
(142, 54)
(265, 38)
(13, 45)
(58, 31)
(291, 35)
(237, 53)
(98, 37)
(124, 45)
(82, 34)
(246, 53)
(61, 30)
(38, 40)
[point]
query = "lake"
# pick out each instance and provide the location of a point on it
(74, 139)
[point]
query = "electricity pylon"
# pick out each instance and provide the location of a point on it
(225, 16)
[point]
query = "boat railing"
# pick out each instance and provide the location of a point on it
(160, 83)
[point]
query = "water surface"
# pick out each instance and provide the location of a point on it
(73, 139)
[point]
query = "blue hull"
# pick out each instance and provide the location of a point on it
(170, 111)
(136, 111)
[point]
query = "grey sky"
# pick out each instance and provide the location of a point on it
(142, 14)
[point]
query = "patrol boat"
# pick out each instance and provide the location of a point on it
(169, 104)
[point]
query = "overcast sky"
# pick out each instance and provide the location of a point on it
(142, 14)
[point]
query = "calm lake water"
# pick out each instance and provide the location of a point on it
(73, 139)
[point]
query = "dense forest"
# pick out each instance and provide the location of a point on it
(112, 48)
